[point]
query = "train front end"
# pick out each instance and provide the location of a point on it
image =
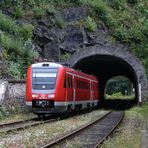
(41, 87)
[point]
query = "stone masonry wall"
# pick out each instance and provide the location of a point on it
(15, 97)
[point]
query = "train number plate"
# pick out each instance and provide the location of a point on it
(43, 103)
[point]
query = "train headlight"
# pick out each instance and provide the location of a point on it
(34, 96)
(51, 96)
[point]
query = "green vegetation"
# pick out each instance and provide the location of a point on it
(17, 43)
(3, 113)
(39, 12)
(59, 21)
(139, 112)
(119, 87)
(90, 24)
(119, 96)
(16, 117)
(127, 21)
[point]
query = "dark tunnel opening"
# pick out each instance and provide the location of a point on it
(105, 67)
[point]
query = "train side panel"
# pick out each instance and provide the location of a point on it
(29, 87)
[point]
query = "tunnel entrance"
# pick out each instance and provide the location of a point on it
(106, 63)
(105, 67)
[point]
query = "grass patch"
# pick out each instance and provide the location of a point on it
(19, 54)
(90, 24)
(16, 117)
(59, 21)
(3, 113)
(140, 112)
(38, 11)
(125, 140)
(120, 96)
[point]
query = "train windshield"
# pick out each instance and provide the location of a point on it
(44, 79)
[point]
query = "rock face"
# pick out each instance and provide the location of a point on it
(74, 14)
(51, 38)
(74, 38)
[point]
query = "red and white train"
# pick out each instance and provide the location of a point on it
(55, 88)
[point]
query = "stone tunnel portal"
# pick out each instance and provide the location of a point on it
(106, 63)
(106, 67)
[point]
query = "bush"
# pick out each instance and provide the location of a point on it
(8, 25)
(38, 11)
(90, 24)
(117, 4)
(18, 12)
(3, 112)
(65, 57)
(51, 10)
(121, 34)
(11, 44)
(14, 70)
(27, 31)
(59, 21)
(132, 1)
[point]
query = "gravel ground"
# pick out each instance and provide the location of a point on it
(37, 136)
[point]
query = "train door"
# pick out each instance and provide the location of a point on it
(91, 90)
(69, 88)
(74, 89)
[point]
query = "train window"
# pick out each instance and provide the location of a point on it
(83, 85)
(68, 82)
(65, 82)
(44, 79)
(80, 84)
(71, 83)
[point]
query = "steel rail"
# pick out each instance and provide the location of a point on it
(21, 127)
(72, 133)
(16, 122)
(109, 133)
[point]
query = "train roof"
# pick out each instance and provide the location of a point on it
(58, 65)
(46, 64)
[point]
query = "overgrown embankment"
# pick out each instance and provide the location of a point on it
(35, 29)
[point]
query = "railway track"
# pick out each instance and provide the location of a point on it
(92, 134)
(20, 125)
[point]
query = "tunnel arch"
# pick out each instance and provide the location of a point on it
(106, 62)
